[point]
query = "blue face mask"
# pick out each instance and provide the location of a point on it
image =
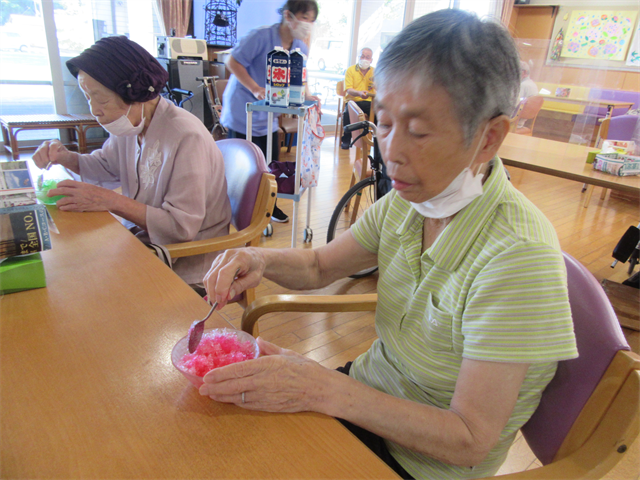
(465, 188)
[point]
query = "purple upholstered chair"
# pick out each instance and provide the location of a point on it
(252, 193)
(575, 404)
(622, 127)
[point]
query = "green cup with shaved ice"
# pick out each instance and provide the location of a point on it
(48, 180)
(43, 187)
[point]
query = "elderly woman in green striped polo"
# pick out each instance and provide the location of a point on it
(472, 314)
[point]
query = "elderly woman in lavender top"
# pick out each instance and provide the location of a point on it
(168, 165)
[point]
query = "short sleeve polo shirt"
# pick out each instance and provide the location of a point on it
(251, 52)
(492, 287)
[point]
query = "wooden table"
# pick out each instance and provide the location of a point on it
(564, 160)
(88, 389)
(76, 124)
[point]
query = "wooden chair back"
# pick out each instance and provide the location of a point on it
(599, 339)
(362, 146)
(340, 111)
(531, 106)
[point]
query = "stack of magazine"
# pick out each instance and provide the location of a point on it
(24, 223)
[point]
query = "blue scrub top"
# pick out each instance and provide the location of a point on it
(251, 53)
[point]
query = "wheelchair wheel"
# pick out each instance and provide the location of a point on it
(351, 207)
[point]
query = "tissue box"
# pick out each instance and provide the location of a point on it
(23, 272)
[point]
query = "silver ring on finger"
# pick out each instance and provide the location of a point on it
(242, 396)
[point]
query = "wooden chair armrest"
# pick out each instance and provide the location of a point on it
(305, 303)
(233, 240)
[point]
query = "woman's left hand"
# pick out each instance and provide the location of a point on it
(279, 380)
(82, 197)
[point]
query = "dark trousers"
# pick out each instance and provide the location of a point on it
(365, 107)
(262, 143)
(374, 442)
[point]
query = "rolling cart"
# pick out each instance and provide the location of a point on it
(298, 191)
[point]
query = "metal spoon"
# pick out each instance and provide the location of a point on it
(196, 330)
(197, 327)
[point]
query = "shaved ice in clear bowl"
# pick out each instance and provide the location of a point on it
(218, 347)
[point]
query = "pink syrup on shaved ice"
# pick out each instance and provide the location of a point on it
(218, 347)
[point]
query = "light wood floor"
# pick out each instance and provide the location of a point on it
(333, 339)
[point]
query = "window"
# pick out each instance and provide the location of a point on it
(25, 76)
(329, 54)
(26, 83)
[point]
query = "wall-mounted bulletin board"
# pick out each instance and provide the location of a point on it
(606, 38)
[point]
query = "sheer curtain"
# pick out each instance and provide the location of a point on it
(500, 10)
(175, 14)
(507, 9)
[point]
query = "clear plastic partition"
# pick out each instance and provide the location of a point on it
(586, 72)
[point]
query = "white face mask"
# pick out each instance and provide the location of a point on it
(299, 30)
(458, 194)
(364, 64)
(122, 127)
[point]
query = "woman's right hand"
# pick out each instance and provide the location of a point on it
(51, 151)
(259, 93)
(233, 272)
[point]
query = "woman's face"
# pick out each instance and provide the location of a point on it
(301, 24)
(420, 138)
(106, 105)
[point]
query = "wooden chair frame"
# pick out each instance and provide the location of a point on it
(524, 109)
(607, 425)
(360, 158)
(339, 117)
(247, 237)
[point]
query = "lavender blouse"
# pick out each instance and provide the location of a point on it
(178, 172)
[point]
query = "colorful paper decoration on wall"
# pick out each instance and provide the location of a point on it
(633, 58)
(557, 46)
(599, 35)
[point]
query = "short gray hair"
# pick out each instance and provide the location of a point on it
(475, 61)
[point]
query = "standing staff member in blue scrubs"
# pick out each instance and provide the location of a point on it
(248, 65)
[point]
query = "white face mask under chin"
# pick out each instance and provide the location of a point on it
(122, 127)
(465, 188)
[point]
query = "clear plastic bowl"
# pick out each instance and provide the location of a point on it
(182, 348)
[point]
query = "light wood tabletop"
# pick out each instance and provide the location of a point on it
(589, 101)
(88, 389)
(602, 102)
(564, 160)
